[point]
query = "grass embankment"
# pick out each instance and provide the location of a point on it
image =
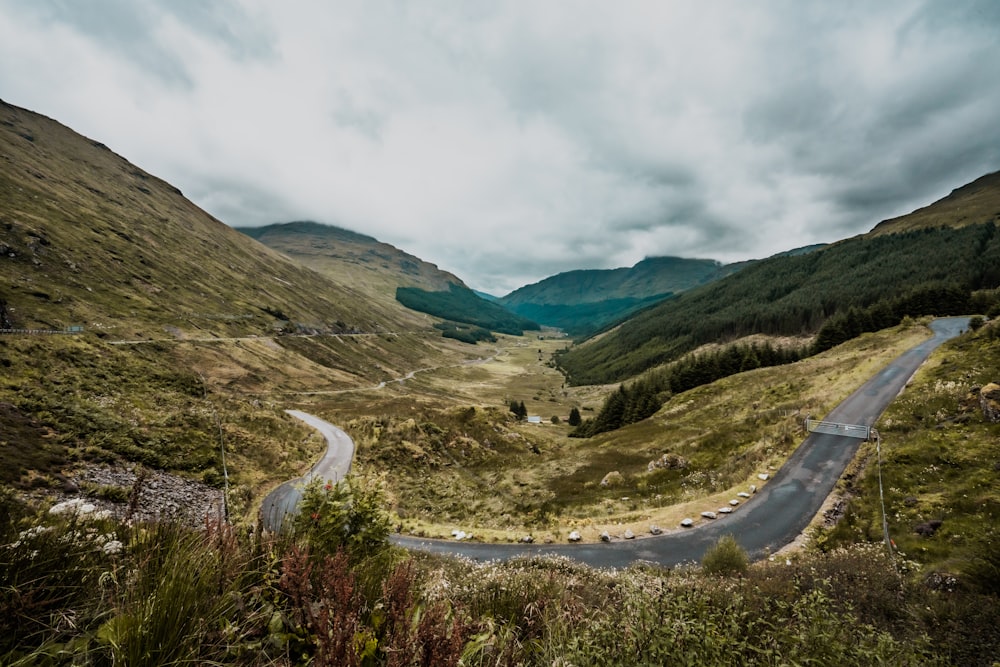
(940, 462)
(475, 468)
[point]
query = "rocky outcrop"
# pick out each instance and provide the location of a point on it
(157, 495)
(989, 401)
(668, 461)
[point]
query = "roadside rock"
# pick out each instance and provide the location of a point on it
(928, 529)
(575, 536)
(613, 478)
(605, 536)
(687, 523)
(709, 515)
(629, 535)
(655, 530)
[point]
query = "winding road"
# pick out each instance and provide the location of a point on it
(281, 503)
(770, 519)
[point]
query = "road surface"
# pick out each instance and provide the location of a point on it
(334, 466)
(771, 518)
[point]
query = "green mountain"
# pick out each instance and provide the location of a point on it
(855, 284)
(584, 301)
(460, 304)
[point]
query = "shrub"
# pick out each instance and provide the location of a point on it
(725, 557)
(348, 516)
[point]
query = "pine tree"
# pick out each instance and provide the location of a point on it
(574, 417)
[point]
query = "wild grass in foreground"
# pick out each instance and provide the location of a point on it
(82, 590)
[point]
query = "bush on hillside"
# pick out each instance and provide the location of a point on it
(725, 557)
(349, 516)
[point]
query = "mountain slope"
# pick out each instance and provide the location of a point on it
(928, 271)
(88, 238)
(388, 276)
(363, 262)
(583, 301)
(973, 204)
(184, 324)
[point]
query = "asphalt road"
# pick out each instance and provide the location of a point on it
(771, 518)
(281, 503)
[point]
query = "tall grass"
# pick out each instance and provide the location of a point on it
(173, 595)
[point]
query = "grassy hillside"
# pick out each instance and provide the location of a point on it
(361, 262)
(974, 204)
(90, 239)
(795, 295)
(190, 329)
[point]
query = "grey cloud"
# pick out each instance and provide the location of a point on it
(508, 142)
(128, 28)
(122, 26)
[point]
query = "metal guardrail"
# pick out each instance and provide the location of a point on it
(835, 428)
(42, 332)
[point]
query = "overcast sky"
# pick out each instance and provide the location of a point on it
(509, 141)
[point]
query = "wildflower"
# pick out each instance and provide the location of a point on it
(113, 547)
(328, 486)
(314, 516)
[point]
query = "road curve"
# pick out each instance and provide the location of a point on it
(770, 519)
(334, 466)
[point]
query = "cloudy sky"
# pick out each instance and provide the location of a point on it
(508, 141)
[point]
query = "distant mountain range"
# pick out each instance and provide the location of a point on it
(584, 301)
(88, 238)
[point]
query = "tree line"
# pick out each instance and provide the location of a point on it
(644, 397)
